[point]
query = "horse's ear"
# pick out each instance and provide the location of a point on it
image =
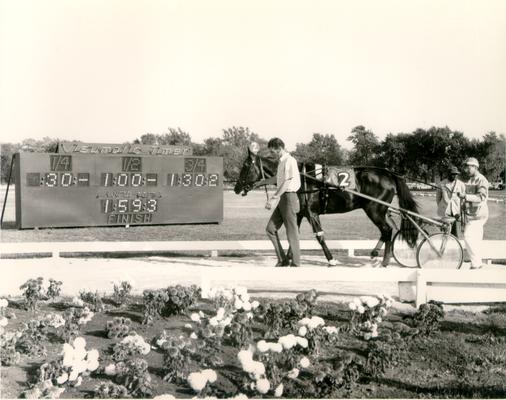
(253, 149)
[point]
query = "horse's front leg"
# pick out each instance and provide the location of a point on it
(314, 220)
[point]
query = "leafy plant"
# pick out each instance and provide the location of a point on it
(180, 299)
(54, 289)
(367, 313)
(33, 293)
(154, 303)
(109, 390)
(383, 353)
(131, 345)
(119, 327)
(175, 300)
(428, 317)
(8, 353)
(31, 340)
(178, 353)
(43, 390)
(134, 376)
(239, 332)
(94, 300)
(121, 292)
(74, 317)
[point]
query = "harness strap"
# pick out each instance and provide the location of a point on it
(263, 178)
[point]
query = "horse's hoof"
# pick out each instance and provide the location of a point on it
(332, 263)
(374, 253)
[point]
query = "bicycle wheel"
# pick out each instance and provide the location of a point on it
(403, 254)
(449, 248)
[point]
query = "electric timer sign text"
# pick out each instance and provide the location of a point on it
(54, 190)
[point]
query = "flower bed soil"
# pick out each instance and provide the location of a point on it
(466, 358)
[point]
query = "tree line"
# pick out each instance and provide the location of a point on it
(421, 154)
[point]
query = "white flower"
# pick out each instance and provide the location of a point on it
(201, 314)
(263, 386)
(360, 309)
(77, 302)
(275, 347)
(352, 306)
(197, 381)
(78, 381)
(372, 302)
(92, 355)
(62, 379)
(294, 373)
(241, 290)
(73, 375)
(193, 336)
(239, 396)
(79, 343)
(302, 342)
(195, 317)
(331, 329)
(249, 315)
(227, 321)
(246, 306)
(304, 362)
(262, 346)
(255, 304)
(258, 369)
(220, 314)
(3, 322)
(302, 331)
(378, 320)
(213, 321)
(187, 326)
(238, 304)
(3, 303)
(278, 392)
(304, 321)
(110, 370)
(287, 341)
(244, 357)
(367, 336)
(92, 365)
(210, 375)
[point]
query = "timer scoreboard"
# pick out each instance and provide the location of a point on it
(72, 190)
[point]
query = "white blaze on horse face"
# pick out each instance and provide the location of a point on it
(254, 148)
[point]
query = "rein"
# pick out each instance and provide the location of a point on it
(263, 178)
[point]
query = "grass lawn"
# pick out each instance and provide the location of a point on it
(245, 219)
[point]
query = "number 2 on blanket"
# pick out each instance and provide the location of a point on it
(343, 179)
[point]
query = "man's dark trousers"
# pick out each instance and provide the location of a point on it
(286, 213)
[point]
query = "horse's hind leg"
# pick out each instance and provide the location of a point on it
(314, 220)
(377, 213)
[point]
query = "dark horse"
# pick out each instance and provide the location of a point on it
(317, 198)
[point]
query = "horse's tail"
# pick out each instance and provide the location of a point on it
(408, 231)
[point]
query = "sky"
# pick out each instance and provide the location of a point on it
(111, 70)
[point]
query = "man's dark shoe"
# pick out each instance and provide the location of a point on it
(294, 265)
(282, 264)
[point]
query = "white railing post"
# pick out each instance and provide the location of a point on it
(421, 289)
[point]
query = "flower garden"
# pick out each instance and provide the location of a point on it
(171, 343)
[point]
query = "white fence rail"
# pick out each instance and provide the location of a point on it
(492, 249)
(454, 286)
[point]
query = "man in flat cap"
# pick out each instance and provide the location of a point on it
(447, 197)
(476, 210)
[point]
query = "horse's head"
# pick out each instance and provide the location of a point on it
(254, 169)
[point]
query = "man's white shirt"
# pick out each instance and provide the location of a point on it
(288, 170)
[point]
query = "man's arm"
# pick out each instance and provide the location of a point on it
(269, 181)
